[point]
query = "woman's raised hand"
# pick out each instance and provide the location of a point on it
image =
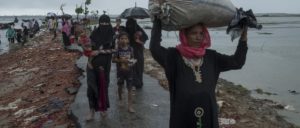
(244, 33)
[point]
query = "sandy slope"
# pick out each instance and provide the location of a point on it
(32, 84)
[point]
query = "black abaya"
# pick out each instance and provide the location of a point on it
(132, 27)
(101, 38)
(193, 104)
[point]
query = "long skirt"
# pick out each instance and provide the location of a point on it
(138, 68)
(66, 39)
(98, 82)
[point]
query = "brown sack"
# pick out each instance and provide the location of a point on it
(178, 14)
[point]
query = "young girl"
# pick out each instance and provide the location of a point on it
(124, 59)
(85, 44)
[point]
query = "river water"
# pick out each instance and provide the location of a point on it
(272, 64)
(4, 46)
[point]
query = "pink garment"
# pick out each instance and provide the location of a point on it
(66, 28)
(102, 92)
(192, 52)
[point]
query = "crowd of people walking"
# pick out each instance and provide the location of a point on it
(191, 69)
(22, 30)
(122, 45)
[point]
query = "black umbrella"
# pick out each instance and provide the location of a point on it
(24, 20)
(135, 12)
(50, 14)
(66, 16)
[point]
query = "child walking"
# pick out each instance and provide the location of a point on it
(125, 60)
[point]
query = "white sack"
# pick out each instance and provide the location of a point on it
(177, 14)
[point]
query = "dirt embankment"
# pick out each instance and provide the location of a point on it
(237, 108)
(34, 84)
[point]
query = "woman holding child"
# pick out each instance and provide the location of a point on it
(98, 69)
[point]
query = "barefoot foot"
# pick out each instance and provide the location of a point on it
(131, 110)
(103, 114)
(90, 116)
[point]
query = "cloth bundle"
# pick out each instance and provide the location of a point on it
(242, 19)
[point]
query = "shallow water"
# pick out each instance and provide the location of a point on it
(272, 65)
(4, 46)
(4, 42)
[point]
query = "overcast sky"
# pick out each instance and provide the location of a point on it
(41, 7)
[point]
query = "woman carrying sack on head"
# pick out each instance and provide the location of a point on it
(192, 71)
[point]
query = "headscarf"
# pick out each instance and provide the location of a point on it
(103, 35)
(192, 52)
(132, 27)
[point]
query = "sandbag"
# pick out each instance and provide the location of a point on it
(178, 14)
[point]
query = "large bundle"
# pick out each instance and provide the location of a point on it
(177, 14)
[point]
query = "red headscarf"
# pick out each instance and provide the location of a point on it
(192, 52)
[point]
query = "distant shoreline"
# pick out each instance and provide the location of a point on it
(276, 15)
(116, 15)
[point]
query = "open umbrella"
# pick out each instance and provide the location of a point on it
(26, 20)
(135, 12)
(50, 14)
(66, 16)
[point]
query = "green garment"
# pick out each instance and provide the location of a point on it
(10, 33)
